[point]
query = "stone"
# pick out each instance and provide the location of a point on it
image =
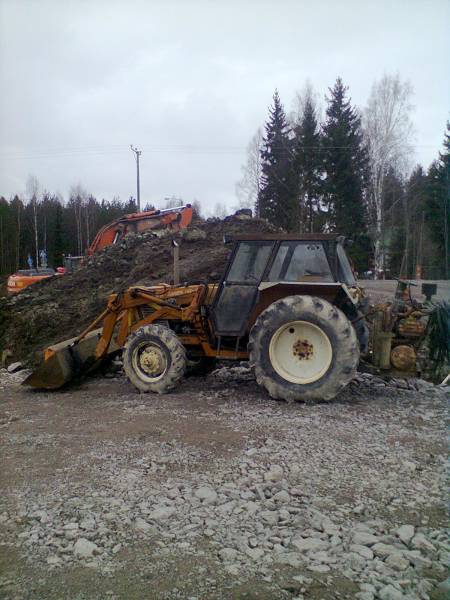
(193, 234)
(83, 548)
(228, 554)
(71, 526)
(293, 559)
(14, 367)
(282, 497)
(161, 513)
(415, 557)
(389, 592)
(117, 548)
(274, 474)
(142, 525)
(397, 562)
(420, 542)
(319, 568)
(307, 544)
(382, 550)
(405, 533)
(362, 538)
(363, 551)
(206, 494)
(54, 560)
(269, 516)
(254, 553)
(87, 524)
(364, 596)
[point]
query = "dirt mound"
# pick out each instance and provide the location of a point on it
(60, 307)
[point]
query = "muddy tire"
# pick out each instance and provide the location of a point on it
(303, 348)
(154, 359)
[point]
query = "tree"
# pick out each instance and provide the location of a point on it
(388, 131)
(277, 200)
(345, 165)
(248, 188)
(437, 207)
(307, 162)
(33, 188)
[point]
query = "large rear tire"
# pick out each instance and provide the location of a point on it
(154, 359)
(303, 348)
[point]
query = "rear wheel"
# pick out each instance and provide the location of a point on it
(303, 348)
(154, 359)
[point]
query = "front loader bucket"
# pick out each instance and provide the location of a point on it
(67, 360)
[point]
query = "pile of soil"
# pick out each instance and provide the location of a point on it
(60, 307)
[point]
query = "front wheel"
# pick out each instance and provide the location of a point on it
(154, 359)
(303, 348)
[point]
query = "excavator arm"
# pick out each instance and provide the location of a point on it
(174, 219)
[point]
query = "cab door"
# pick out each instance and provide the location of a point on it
(238, 291)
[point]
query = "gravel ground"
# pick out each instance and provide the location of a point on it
(217, 491)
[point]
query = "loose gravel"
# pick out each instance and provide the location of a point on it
(217, 491)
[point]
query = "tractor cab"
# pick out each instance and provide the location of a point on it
(263, 269)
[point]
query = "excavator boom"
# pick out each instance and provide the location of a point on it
(174, 219)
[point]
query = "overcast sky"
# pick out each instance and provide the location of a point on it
(189, 82)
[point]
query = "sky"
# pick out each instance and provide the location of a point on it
(189, 82)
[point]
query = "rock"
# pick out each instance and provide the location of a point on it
(206, 494)
(382, 550)
(397, 562)
(83, 548)
(161, 513)
(282, 497)
(363, 551)
(415, 557)
(71, 526)
(293, 559)
(88, 524)
(274, 474)
(405, 533)
(319, 568)
(389, 592)
(243, 214)
(269, 516)
(254, 553)
(54, 560)
(364, 596)
(362, 538)
(307, 544)
(193, 234)
(117, 548)
(228, 554)
(14, 367)
(420, 542)
(142, 525)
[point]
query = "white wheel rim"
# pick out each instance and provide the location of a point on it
(300, 352)
(149, 362)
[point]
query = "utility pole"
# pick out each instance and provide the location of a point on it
(138, 187)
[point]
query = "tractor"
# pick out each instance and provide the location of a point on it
(289, 304)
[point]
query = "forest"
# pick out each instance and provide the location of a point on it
(347, 170)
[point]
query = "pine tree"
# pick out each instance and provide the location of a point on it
(437, 207)
(277, 196)
(345, 165)
(308, 167)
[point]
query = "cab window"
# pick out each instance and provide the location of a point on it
(249, 262)
(301, 261)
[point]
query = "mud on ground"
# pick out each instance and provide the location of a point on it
(215, 491)
(60, 307)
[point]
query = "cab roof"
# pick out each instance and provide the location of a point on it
(287, 237)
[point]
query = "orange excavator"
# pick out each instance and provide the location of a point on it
(173, 219)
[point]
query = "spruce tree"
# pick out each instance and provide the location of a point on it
(277, 195)
(345, 165)
(308, 167)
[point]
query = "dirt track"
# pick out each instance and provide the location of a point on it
(216, 491)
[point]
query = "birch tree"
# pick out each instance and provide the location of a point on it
(248, 188)
(33, 189)
(388, 132)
